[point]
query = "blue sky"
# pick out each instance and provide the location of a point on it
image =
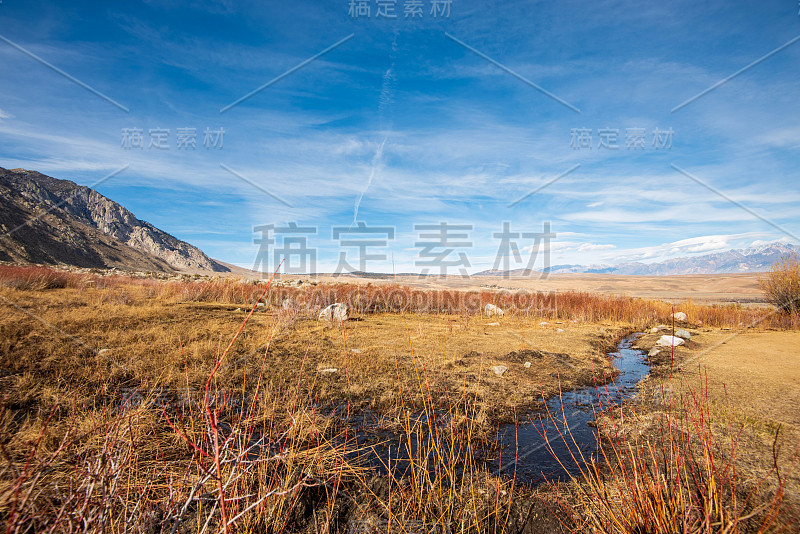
(408, 120)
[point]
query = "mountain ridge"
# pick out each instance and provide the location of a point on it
(52, 221)
(743, 260)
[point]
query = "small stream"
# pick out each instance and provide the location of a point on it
(524, 447)
(524, 454)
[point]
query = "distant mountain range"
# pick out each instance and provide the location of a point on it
(50, 221)
(57, 222)
(746, 260)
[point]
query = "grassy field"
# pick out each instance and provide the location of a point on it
(139, 405)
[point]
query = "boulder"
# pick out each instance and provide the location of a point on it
(499, 370)
(669, 341)
(334, 312)
(491, 311)
(683, 334)
(679, 316)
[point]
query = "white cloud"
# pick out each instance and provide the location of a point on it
(5, 115)
(586, 247)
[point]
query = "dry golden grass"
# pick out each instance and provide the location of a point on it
(131, 404)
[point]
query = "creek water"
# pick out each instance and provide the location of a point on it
(525, 454)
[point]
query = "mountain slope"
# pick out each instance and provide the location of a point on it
(46, 220)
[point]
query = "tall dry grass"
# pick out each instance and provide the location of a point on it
(672, 471)
(392, 298)
(217, 463)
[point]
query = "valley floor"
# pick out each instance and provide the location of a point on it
(77, 361)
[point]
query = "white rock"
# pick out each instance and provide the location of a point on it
(679, 316)
(491, 311)
(328, 371)
(260, 304)
(104, 352)
(355, 351)
(527, 365)
(559, 330)
(653, 352)
(683, 334)
(334, 312)
(499, 370)
(493, 324)
(544, 323)
(669, 341)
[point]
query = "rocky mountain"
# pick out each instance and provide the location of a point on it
(749, 260)
(51, 221)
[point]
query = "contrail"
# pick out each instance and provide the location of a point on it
(384, 102)
(376, 161)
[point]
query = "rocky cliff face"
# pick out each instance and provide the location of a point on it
(71, 224)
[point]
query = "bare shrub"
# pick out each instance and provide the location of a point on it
(781, 285)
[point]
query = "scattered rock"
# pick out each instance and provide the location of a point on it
(493, 324)
(669, 341)
(653, 352)
(355, 351)
(328, 371)
(493, 311)
(527, 365)
(559, 330)
(684, 334)
(544, 323)
(679, 316)
(260, 304)
(334, 312)
(499, 370)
